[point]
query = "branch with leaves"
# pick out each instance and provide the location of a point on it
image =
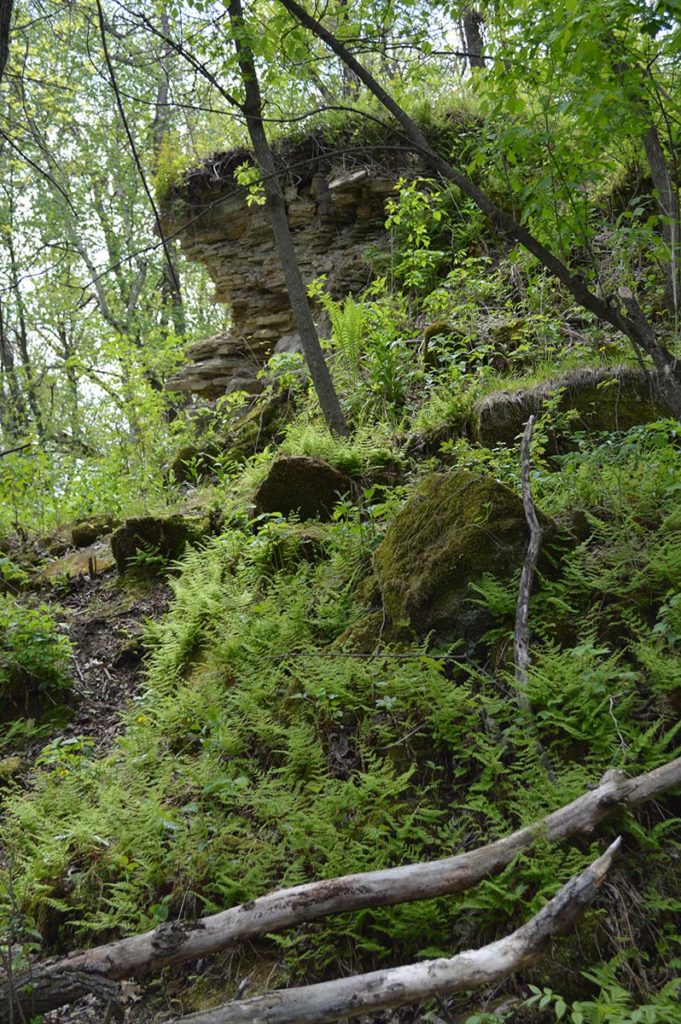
(635, 327)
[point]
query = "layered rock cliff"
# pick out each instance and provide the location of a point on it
(336, 210)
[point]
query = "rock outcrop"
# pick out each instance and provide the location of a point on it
(611, 398)
(149, 542)
(87, 532)
(335, 214)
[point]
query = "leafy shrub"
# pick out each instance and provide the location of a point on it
(12, 576)
(34, 655)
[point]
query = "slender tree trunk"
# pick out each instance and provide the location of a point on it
(633, 324)
(22, 334)
(171, 290)
(668, 202)
(276, 208)
(471, 25)
(351, 83)
(658, 165)
(5, 26)
(15, 420)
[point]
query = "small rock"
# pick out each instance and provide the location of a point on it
(303, 485)
(155, 539)
(86, 533)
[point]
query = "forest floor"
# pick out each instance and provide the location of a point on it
(105, 622)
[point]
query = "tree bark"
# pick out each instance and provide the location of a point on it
(276, 208)
(5, 26)
(22, 333)
(171, 289)
(14, 418)
(636, 329)
(476, 968)
(51, 984)
(471, 23)
(668, 203)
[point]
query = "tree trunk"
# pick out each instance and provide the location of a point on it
(5, 26)
(471, 24)
(22, 334)
(633, 324)
(668, 203)
(276, 208)
(171, 290)
(14, 416)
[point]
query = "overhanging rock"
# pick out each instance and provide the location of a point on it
(335, 212)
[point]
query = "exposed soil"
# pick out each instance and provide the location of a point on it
(105, 621)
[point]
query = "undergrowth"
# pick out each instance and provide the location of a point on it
(269, 749)
(266, 752)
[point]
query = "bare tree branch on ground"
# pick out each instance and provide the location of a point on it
(51, 984)
(476, 968)
(521, 639)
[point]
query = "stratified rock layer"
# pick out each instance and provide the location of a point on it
(334, 214)
(607, 398)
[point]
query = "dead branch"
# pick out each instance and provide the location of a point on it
(521, 641)
(367, 993)
(51, 984)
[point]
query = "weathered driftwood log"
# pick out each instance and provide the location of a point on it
(367, 993)
(52, 983)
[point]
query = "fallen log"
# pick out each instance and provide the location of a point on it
(53, 983)
(397, 986)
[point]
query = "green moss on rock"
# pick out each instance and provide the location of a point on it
(195, 462)
(363, 636)
(614, 398)
(455, 528)
(163, 537)
(250, 433)
(86, 533)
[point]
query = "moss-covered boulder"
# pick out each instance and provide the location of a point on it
(148, 542)
(301, 485)
(86, 533)
(454, 528)
(611, 398)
